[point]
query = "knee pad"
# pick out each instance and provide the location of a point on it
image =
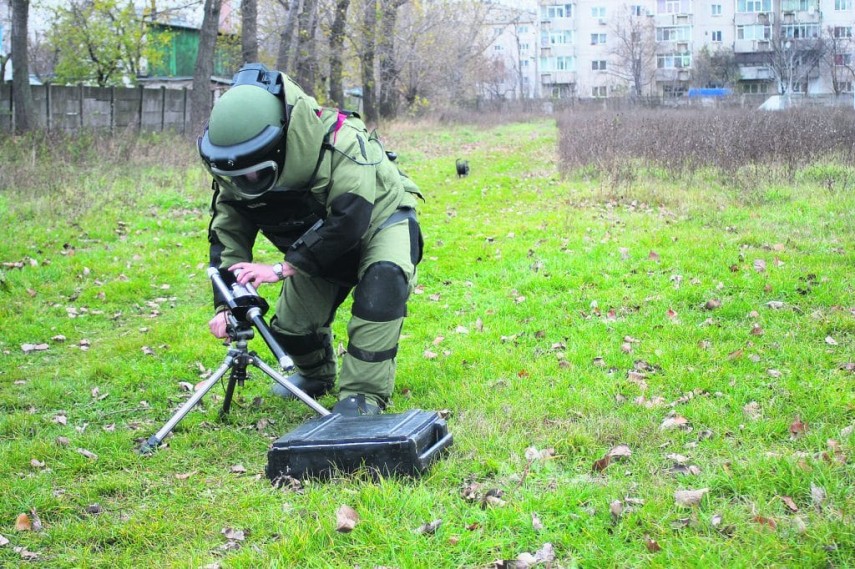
(381, 295)
(302, 345)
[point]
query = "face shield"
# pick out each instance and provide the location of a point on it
(249, 168)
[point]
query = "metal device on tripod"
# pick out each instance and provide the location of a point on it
(406, 443)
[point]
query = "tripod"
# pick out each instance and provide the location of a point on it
(246, 309)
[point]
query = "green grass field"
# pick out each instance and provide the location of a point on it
(700, 338)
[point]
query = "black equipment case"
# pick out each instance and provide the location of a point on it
(406, 443)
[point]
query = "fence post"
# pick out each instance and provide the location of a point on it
(80, 86)
(162, 108)
(112, 109)
(47, 106)
(140, 89)
(184, 113)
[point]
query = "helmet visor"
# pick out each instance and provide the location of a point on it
(251, 181)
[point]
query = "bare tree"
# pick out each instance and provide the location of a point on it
(793, 59)
(366, 57)
(715, 68)
(249, 30)
(306, 64)
(336, 43)
(838, 57)
(22, 97)
(634, 50)
(387, 100)
(286, 38)
(200, 97)
(442, 46)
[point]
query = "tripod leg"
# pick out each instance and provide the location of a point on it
(230, 391)
(154, 441)
(298, 393)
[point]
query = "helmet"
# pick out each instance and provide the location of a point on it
(243, 145)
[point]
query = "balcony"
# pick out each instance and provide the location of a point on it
(755, 73)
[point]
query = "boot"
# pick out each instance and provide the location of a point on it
(313, 387)
(354, 406)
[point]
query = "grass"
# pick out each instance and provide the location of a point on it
(537, 298)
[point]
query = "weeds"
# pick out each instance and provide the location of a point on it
(744, 149)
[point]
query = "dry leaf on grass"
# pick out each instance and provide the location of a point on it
(689, 498)
(346, 519)
(23, 523)
(429, 528)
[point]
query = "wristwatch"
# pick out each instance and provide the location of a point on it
(280, 271)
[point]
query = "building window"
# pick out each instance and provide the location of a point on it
(753, 32)
(561, 63)
(716, 36)
(844, 86)
(715, 9)
(522, 29)
(598, 39)
(556, 11)
(842, 5)
(673, 6)
(599, 92)
(753, 5)
(843, 59)
(598, 65)
(557, 37)
(799, 5)
(598, 12)
(681, 33)
(755, 88)
(800, 31)
(498, 47)
(674, 61)
(842, 32)
(565, 63)
(636, 10)
(524, 64)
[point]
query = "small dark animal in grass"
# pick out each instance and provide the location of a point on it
(462, 168)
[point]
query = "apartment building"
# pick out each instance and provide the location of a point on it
(662, 48)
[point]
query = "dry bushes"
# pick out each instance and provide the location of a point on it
(739, 147)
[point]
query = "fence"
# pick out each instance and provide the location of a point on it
(70, 108)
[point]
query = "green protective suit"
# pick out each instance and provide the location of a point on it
(344, 217)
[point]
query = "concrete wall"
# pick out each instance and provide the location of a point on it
(110, 108)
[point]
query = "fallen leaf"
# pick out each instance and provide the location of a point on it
(759, 265)
(653, 256)
(752, 410)
(817, 495)
(830, 341)
(620, 452)
(23, 523)
(712, 304)
(238, 469)
(789, 503)
(88, 454)
(689, 497)
(233, 534)
(27, 348)
(26, 554)
(94, 509)
(346, 519)
(602, 464)
(675, 422)
(797, 428)
(185, 476)
(429, 528)
(764, 521)
(756, 330)
(616, 509)
(651, 544)
(536, 524)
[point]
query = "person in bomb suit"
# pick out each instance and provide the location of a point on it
(321, 188)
